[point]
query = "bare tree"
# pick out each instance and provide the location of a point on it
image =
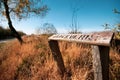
(74, 27)
(21, 9)
(46, 28)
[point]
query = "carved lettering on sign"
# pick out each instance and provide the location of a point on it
(98, 38)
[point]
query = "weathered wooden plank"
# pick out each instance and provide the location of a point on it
(96, 63)
(95, 38)
(57, 56)
(100, 62)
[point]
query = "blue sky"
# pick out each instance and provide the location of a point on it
(91, 15)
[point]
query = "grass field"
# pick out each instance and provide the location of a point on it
(33, 60)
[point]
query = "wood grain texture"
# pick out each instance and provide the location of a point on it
(95, 38)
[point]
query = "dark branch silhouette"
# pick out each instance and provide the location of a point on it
(21, 9)
(14, 32)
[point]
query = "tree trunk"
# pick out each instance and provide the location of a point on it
(14, 32)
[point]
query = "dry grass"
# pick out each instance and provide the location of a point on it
(77, 59)
(33, 60)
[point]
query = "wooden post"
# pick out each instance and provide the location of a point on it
(100, 62)
(96, 63)
(100, 52)
(57, 56)
(104, 57)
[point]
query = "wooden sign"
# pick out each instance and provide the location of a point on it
(96, 38)
(100, 42)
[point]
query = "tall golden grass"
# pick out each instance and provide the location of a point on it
(33, 60)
